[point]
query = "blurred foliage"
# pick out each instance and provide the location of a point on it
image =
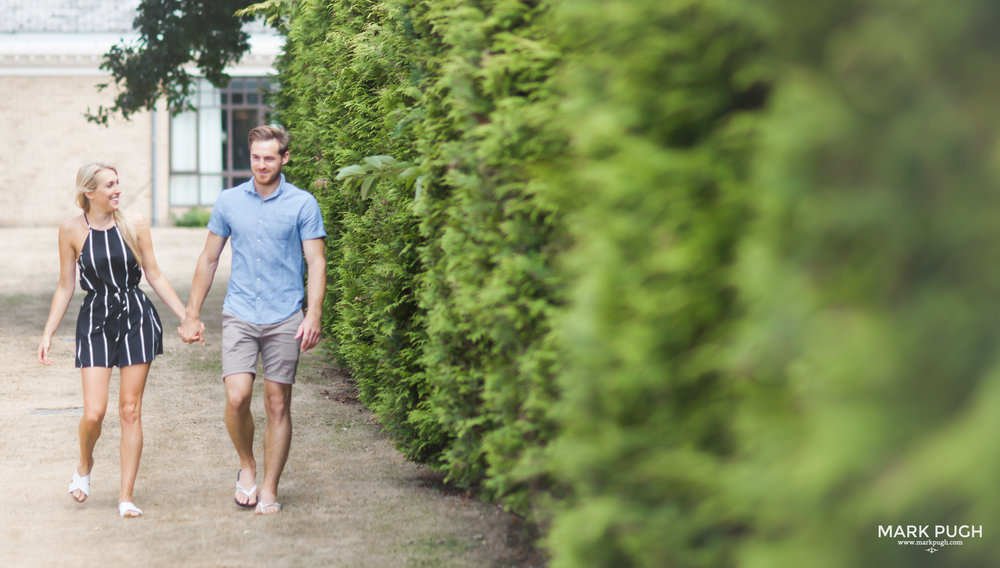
(869, 348)
(193, 217)
(662, 105)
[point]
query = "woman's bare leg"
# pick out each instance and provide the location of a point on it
(95, 404)
(130, 414)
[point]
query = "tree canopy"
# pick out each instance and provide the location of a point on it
(173, 33)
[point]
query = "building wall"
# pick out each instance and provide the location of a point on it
(49, 138)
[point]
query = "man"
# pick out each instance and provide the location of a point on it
(273, 226)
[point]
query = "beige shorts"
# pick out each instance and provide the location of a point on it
(275, 343)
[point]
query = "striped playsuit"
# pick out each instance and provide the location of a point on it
(118, 325)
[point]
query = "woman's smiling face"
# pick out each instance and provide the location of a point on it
(108, 192)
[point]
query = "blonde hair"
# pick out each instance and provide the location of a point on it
(86, 180)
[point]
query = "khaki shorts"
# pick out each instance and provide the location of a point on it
(243, 341)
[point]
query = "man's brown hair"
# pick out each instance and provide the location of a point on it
(270, 132)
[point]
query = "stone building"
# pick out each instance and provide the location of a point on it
(50, 54)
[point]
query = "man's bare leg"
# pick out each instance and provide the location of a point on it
(277, 441)
(239, 424)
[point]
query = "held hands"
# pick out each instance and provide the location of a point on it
(192, 330)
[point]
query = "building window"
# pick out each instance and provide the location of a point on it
(208, 145)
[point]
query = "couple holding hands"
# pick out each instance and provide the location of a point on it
(277, 238)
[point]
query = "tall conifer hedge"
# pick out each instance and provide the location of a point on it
(660, 100)
(349, 95)
(690, 282)
(489, 286)
(869, 351)
(442, 281)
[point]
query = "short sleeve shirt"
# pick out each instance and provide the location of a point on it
(266, 284)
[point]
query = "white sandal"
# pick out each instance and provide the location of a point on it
(129, 510)
(249, 493)
(80, 483)
(262, 508)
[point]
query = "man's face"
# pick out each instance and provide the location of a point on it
(266, 162)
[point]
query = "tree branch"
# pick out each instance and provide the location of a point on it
(173, 33)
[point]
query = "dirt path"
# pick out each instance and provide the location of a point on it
(350, 499)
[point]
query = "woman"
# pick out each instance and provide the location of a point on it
(117, 325)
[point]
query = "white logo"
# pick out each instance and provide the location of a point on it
(934, 537)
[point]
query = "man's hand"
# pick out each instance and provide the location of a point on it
(309, 332)
(192, 330)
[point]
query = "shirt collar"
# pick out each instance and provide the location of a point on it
(249, 188)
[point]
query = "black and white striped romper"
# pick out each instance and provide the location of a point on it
(118, 325)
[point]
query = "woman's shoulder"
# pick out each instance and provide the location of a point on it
(73, 232)
(139, 226)
(74, 225)
(136, 219)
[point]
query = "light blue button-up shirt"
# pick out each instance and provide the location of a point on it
(266, 282)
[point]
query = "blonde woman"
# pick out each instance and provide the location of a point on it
(117, 324)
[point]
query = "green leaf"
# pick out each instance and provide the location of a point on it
(380, 162)
(367, 185)
(419, 187)
(351, 171)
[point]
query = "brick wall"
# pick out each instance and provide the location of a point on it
(48, 139)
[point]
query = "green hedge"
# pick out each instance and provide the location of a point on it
(689, 282)
(348, 92)
(508, 269)
(439, 303)
(661, 103)
(872, 286)
(489, 287)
